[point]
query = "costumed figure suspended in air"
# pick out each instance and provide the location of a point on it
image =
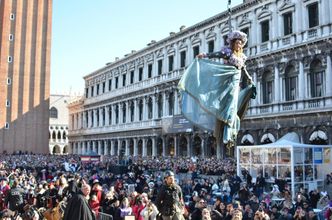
(215, 95)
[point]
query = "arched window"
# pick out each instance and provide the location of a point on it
(160, 106)
(86, 119)
(247, 139)
(97, 116)
(124, 112)
(110, 115)
(290, 83)
(103, 115)
(140, 110)
(268, 138)
(53, 135)
(117, 114)
(267, 87)
(53, 112)
(65, 149)
(92, 118)
(318, 137)
(150, 109)
(316, 79)
(56, 149)
(132, 112)
(171, 104)
(59, 135)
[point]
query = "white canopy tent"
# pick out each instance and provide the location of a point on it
(301, 165)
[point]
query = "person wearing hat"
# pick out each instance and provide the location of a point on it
(170, 199)
(214, 90)
(78, 207)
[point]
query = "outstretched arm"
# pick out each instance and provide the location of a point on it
(224, 53)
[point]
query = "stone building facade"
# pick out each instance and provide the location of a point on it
(131, 105)
(58, 128)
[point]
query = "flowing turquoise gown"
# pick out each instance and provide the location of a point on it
(211, 97)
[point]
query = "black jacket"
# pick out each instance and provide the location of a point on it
(15, 198)
(169, 198)
(78, 208)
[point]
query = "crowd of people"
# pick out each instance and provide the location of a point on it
(205, 188)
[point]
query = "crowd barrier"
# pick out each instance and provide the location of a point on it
(104, 216)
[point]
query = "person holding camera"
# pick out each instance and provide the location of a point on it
(170, 199)
(299, 214)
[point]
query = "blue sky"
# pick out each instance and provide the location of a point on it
(87, 34)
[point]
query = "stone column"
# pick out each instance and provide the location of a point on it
(101, 119)
(113, 113)
(127, 112)
(302, 85)
(164, 146)
(99, 147)
(95, 118)
(176, 57)
(164, 104)
(135, 146)
(176, 102)
(135, 110)
(107, 119)
(144, 153)
(328, 74)
(94, 146)
(277, 89)
(154, 146)
(298, 27)
(112, 148)
(145, 100)
(127, 147)
(106, 150)
(121, 106)
(190, 55)
(119, 147)
(154, 107)
(88, 146)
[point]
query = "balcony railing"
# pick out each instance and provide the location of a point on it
(312, 33)
(155, 123)
(264, 47)
(286, 41)
(281, 108)
(169, 76)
